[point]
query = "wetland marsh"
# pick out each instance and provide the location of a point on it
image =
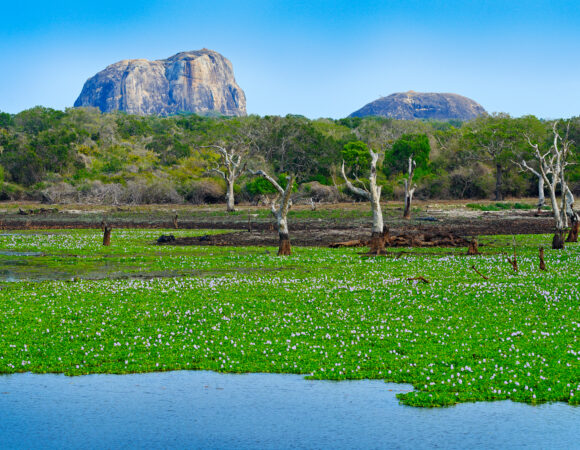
(322, 313)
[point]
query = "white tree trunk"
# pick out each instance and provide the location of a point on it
(409, 191)
(541, 196)
(230, 200)
(374, 195)
(232, 161)
(280, 212)
(552, 168)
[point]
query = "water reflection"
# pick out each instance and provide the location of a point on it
(210, 410)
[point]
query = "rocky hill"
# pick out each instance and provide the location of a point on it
(422, 105)
(200, 82)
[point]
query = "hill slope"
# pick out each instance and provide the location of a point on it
(422, 105)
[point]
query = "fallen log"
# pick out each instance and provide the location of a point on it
(479, 273)
(419, 278)
(353, 243)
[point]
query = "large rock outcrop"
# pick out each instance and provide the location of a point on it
(200, 82)
(422, 105)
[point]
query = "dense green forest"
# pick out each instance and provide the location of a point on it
(81, 155)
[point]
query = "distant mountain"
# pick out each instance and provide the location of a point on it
(422, 105)
(198, 81)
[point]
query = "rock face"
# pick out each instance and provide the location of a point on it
(422, 105)
(200, 82)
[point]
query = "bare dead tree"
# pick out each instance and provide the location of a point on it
(279, 208)
(409, 188)
(231, 159)
(373, 193)
(552, 166)
(523, 165)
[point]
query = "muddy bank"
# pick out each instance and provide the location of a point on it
(329, 224)
(317, 234)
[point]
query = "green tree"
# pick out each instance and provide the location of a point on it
(409, 145)
(494, 140)
(357, 157)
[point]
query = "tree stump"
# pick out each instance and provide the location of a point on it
(377, 243)
(386, 235)
(558, 240)
(473, 247)
(542, 262)
(573, 234)
(107, 234)
(284, 248)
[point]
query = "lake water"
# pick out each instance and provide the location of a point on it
(188, 409)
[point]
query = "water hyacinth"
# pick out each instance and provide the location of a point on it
(324, 313)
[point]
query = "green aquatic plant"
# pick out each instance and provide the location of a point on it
(323, 313)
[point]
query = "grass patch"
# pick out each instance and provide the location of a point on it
(503, 206)
(324, 313)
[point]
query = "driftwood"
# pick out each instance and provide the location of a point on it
(353, 243)
(409, 240)
(479, 273)
(419, 278)
(32, 212)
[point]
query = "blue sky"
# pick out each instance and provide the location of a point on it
(316, 58)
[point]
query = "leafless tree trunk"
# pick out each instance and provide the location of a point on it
(280, 211)
(552, 165)
(232, 161)
(541, 197)
(409, 191)
(374, 195)
(107, 234)
(573, 216)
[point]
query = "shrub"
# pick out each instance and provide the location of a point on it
(320, 193)
(259, 186)
(205, 190)
(13, 192)
(59, 193)
(158, 191)
(101, 193)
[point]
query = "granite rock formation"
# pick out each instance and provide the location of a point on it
(422, 105)
(199, 82)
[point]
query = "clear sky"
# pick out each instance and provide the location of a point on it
(316, 58)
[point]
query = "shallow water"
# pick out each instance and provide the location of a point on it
(188, 409)
(33, 269)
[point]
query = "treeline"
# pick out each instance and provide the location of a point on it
(81, 155)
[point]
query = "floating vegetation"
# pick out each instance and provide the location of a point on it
(325, 313)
